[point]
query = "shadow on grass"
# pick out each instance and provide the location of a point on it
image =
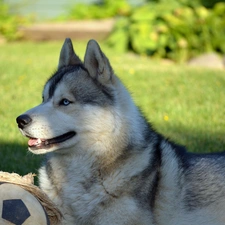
(195, 140)
(16, 158)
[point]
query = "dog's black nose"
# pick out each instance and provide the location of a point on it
(23, 120)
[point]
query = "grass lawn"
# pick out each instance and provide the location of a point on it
(185, 104)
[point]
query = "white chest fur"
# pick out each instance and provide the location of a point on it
(86, 198)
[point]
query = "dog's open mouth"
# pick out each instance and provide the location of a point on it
(38, 143)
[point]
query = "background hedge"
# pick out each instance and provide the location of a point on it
(174, 29)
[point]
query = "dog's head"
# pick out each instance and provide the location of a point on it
(80, 104)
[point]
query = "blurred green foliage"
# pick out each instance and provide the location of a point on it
(174, 29)
(104, 9)
(209, 3)
(9, 23)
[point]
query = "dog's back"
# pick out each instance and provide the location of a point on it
(192, 189)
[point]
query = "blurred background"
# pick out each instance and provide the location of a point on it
(174, 29)
(51, 9)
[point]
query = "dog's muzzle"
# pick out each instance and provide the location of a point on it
(23, 121)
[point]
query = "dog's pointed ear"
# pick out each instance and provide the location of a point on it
(67, 55)
(97, 63)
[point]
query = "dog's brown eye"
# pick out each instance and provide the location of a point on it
(64, 102)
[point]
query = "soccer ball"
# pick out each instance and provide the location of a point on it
(20, 207)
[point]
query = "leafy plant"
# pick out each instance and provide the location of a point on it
(209, 3)
(9, 23)
(106, 9)
(176, 29)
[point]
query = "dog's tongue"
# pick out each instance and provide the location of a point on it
(34, 141)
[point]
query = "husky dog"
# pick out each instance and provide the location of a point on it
(104, 162)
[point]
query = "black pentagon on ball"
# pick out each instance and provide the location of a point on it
(15, 211)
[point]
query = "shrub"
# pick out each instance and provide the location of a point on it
(106, 9)
(209, 3)
(9, 23)
(178, 30)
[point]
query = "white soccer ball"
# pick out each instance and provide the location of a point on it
(20, 207)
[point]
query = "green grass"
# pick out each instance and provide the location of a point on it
(185, 104)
